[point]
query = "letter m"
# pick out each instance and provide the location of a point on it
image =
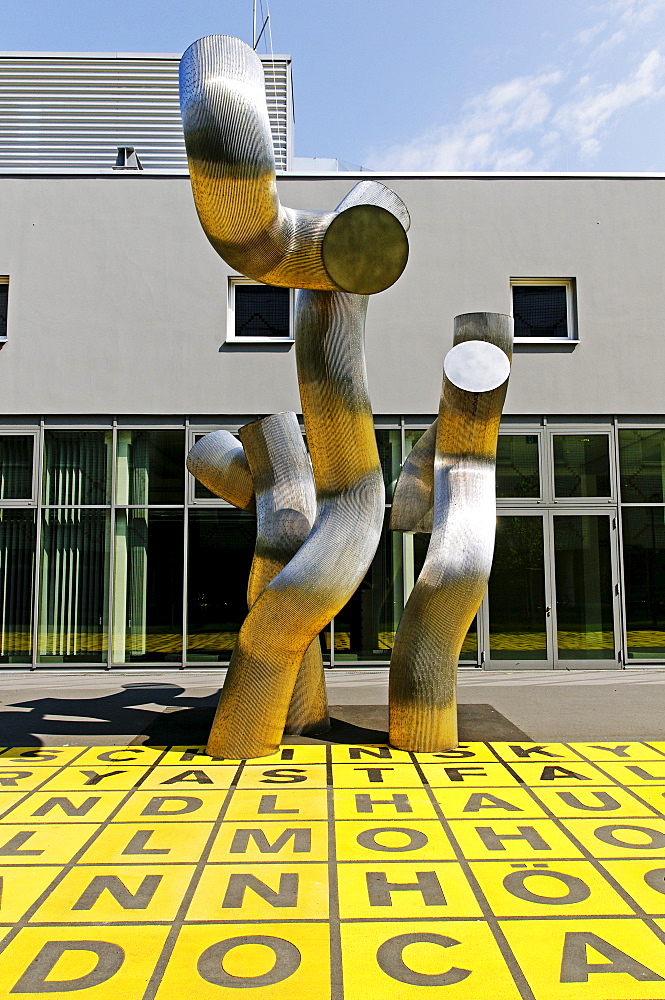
(302, 841)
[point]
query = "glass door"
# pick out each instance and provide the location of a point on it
(585, 569)
(552, 599)
(518, 599)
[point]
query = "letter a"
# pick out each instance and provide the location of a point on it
(575, 967)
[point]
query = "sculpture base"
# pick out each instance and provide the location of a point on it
(334, 871)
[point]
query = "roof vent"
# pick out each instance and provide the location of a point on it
(127, 159)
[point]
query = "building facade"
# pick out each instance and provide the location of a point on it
(125, 337)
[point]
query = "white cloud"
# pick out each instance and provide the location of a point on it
(638, 11)
(477, 141)
(535, 122)
(583, 117)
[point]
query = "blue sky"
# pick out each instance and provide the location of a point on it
(421, 84)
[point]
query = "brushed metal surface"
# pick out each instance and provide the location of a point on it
(413, 496)
(339, 258)
(451, 585)
(285, 512)
(219, 463)
(328, 567)
(270, 471)
(232, 170)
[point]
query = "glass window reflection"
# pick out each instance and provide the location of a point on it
(642, 466)
(365, 627)
(77, 467)
(221, 548)
(16, 466)
(390, 455)
(73, 600)
(581, 465)
(644, 574)
(147, 586)
(150, 467)
(17, 564)
(517, 474)
(516, 592)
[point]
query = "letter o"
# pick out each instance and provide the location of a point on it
(367, 838)
(607, 835)
(287, 960)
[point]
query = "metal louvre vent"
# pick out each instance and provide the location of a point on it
(72, 112)
(277, 74)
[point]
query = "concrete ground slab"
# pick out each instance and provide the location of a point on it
(124, 706)
(510, 869)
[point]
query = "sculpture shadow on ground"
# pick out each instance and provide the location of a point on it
(127, 712)
(166, 714)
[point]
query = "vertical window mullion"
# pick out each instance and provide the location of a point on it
(38, 544)
(185, 553)
(110, 624)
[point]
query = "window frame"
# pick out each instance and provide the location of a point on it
(581, 430)
(231, 338)
(4, 280)
(195, 434)
(537, 431)
(571, 309)
(30, 501)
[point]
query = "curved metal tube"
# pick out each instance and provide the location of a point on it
(285, 512)
(361, 247)
(448, 592)
(285, 507)
(218, 461)
(413, 497)
(315, 585)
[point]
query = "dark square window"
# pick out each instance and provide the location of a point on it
(541, 310)
(261, 311)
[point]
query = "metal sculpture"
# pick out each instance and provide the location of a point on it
(218, 461)
(340, 257)
(269, 471)
(456, 482)
(360, 247)
(285, 513)
(319, 525)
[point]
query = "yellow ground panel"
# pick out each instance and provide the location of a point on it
(593, 800)
(516, 871)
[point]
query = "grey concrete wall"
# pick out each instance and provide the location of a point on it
(118, 303)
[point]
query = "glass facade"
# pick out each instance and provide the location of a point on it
(517, 466)
(17, 561)
(16, 464)
(583, 574)
(516, 592)
(112, 555)
(581, 465)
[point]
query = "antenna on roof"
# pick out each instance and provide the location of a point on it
(257, 38)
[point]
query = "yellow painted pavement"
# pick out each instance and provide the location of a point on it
(516, 871)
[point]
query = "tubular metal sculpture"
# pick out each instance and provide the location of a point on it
(270, 472)
(318, 525)
(285, 512)
(341, 257)
(459, 485)
(218, 462)
(361, 247)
